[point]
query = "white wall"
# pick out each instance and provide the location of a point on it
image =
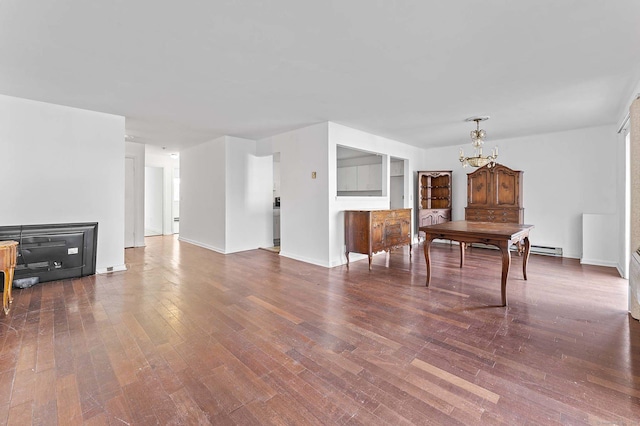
(345, 136)
(226, 196)
(566, 174)
(304, 211)
(202, 195)
(312, 218)
(599, 242)
(64, 165)
(623, 235)
(249, 189)
(136, 151)
(153, 200)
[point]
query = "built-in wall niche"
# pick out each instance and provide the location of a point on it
(396, 183)
(360, 173)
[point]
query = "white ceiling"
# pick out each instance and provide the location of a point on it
(186, 72)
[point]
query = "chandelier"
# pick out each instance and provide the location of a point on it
(477, 140)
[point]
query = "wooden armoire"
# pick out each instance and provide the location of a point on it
(494, 194)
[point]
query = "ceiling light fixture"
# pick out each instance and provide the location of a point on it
(477, 140)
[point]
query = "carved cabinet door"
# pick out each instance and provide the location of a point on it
(478, 188)
(377, 230)
(507, 188)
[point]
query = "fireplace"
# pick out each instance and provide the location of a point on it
(55, 251)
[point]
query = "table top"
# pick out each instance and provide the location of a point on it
(480, 229)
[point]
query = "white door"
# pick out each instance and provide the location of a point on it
(129, 203)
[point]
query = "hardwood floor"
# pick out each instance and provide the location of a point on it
(189, 336)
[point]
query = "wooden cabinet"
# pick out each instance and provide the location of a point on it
(434, 197)
(370, 177)
(372, 231)
(348, 178)
(367, 177)
(433, 216)
(495, 195)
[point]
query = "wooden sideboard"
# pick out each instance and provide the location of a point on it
(494, 194)
(372, 231)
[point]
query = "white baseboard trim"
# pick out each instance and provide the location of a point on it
(305, 259)
(598, 262)
(203, 245)
(110, 269)
(353, 257)
(621, 271)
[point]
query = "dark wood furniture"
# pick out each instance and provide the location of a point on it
(499, 234)
(494, 195)
(372, 231)
(434, 197)
(8, 256)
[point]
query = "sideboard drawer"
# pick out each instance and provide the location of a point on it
(494, 215)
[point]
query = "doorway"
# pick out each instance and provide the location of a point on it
(153, 200)
(176, 201)
(129, 203)
(396, 183)
(276, 200)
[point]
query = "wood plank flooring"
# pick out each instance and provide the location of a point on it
(189, 336)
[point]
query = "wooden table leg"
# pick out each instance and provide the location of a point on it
(10, 287)
(14, 256)
(347, 254)
(5, 291)
(506, 263)
(7, 266)
(427, 256)
(463, 247)
(525, 260)
(370, 258)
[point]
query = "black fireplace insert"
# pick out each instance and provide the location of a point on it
(55, 251)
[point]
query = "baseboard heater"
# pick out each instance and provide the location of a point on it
(546, 251)
(53, 252)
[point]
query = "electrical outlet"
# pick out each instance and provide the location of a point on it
(313, 175)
